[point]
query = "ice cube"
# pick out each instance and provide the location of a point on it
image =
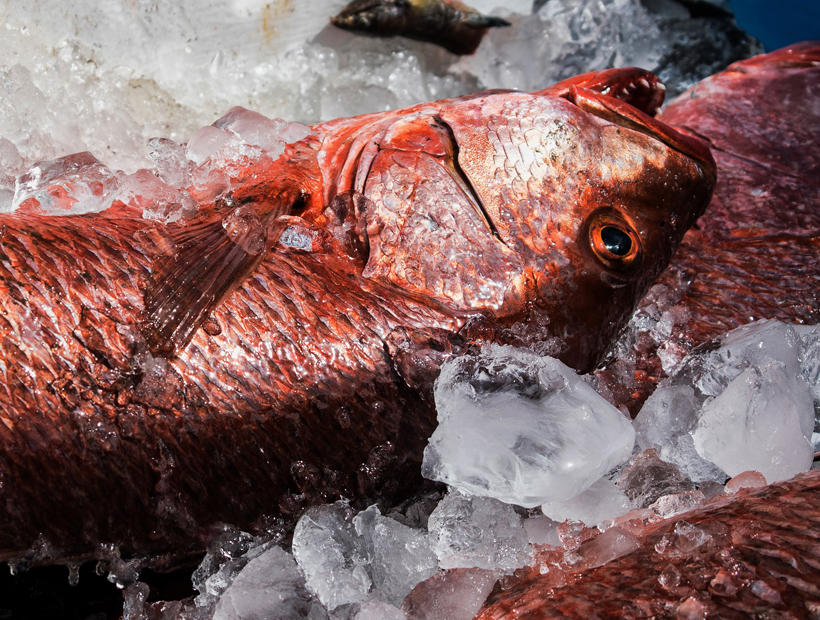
(454, 594)
(73, 184)
(269, 586)
(670, 505)
(399, 556)
(763, 420)
(612, 544)
(205, 143)
(602, 501)
(754, 344)
(478, 532)
(542, 530)
(733, 405)
(158, 200)
(254, 128)
(522, 428)
(171, 162)
(378, 610)
(332, 555)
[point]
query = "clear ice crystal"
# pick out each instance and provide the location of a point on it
(454, 594)
(399, 556)
(647, 477)
(522, 428)
(602, 501)
(479, 532)
(332, 555)
(763, 420)
(740, 404)
(73, 184)
(269, 586)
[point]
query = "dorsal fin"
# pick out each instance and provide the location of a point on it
(213, 258)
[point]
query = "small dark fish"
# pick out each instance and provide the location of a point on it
(449, 23)
(329, 286)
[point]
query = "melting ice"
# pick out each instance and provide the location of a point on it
(522, 428)
(743, 403)
(363, 565)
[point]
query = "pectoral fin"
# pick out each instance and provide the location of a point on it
(212, 259)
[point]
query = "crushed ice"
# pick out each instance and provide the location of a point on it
(107, 78)
(358, 565)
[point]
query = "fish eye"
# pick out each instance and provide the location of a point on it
(614, 242)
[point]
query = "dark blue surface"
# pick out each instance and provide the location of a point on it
(777, 23)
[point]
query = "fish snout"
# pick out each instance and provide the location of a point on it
(624, 114)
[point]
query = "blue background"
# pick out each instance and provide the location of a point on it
(777, 23)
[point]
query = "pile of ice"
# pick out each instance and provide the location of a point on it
(182, 176)
(512, 424)
(107, 77)
(745, 402)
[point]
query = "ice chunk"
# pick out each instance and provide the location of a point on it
(478, 532)
(454, 594)
(612, 544)
(332, 555)
(763, 420)
(730, 406)
(522, 428)
(378, 610)
(603, 501)
(670, 505)
(205, 143)
(542, 530)
(646, 478)
(810, 358)
(171, 162)
(270, 586)
(158, 200)
(684, 540)
(399, 556)
(73, 184)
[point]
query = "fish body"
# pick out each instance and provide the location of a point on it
(278, 350)
(453, 25)
(752, 255)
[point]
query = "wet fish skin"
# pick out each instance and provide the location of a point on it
(751, 555)
(305, 382)
(448, 23)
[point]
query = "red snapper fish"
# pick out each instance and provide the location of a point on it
(278, 349)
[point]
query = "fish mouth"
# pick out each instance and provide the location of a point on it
(625, 115)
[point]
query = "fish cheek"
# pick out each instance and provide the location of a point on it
(426, 238)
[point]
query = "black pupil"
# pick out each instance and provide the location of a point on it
(616, 241)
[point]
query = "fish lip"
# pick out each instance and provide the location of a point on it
(624, 115)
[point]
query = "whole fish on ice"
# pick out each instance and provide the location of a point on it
(278, 348)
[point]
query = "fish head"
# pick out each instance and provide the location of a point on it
(556, 212)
